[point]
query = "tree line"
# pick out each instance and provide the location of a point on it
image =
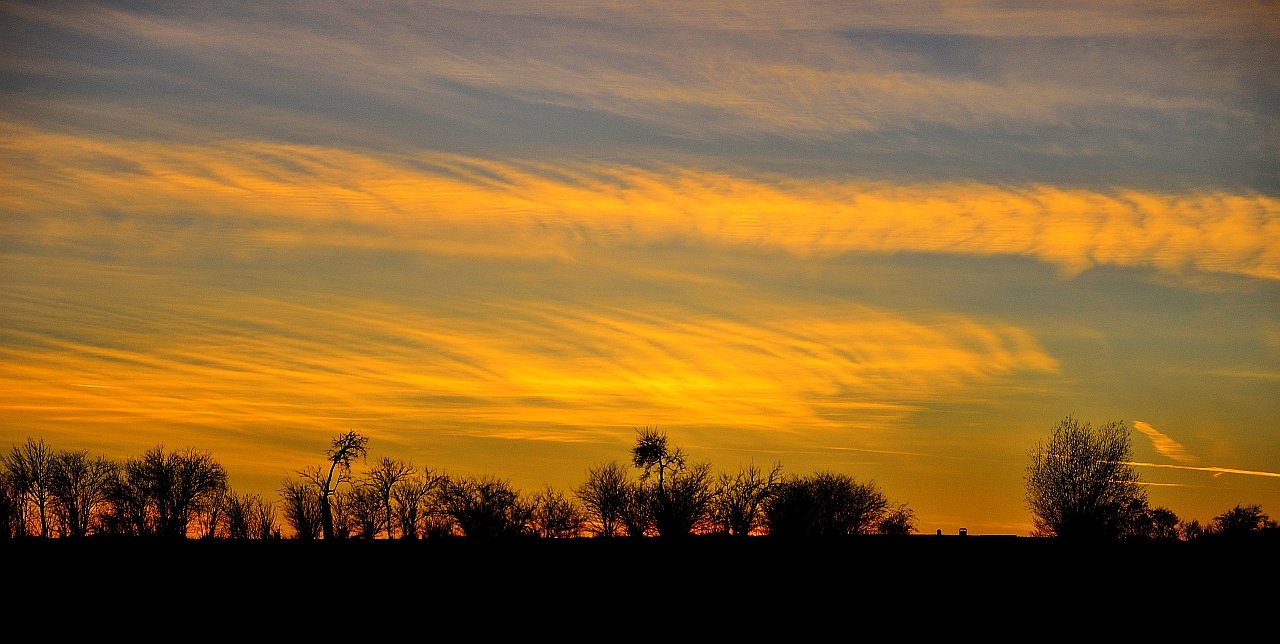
(662, 493)
(1080, 484)
(58, 493)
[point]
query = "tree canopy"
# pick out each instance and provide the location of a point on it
(1081, 481)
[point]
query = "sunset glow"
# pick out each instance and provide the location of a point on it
(891, 242)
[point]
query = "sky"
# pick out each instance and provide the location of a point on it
(895, 240)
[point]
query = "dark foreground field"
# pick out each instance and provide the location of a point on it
(712, 584)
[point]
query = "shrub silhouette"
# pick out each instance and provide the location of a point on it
(901, 520)
(302, 509)
(1241, 520)
(485, 507)
(824, 504)
(556, 516)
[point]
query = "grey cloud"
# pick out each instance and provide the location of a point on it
(1084, 93)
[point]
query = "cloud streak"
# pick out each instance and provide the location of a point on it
(448, 203)
(128, 371)
(1217, 471)
(1164, 445)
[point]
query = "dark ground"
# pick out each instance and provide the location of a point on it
(714, 586)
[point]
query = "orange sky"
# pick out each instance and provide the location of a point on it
(898, 245)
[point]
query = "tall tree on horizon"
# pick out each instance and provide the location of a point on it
(344, 449)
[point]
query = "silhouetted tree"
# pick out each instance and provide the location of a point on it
(12, 516)
(30, 469)
(1164, 524)
(652, 455)
(211, 514)
(825, 504)
(344, 521)
(383, 479)
(411, 497)
(556, 516)
(344, 449)
(364, 511)
(900, 520)
(485, 507)
(1240, 520)
(686, 503)
(81, 485)
(248, 516)
(637, 511)
(1190, 530)
(302, 509)
(264, 520)
(740, 499)
(680, 500)
(170, 488)
(1080, 483)
(605, 494)
(438, 524)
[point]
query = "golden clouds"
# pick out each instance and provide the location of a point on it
(544, 369)
(278, 193)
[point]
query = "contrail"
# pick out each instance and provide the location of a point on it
(1163, 444)
(1216, 470)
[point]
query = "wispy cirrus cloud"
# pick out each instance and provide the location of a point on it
(1030, 87)
(451, 203)
(560, 370)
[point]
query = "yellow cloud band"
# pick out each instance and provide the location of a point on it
(448, 203)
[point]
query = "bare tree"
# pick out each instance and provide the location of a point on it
(900, 520)
(128, 506)
(240, 515)
(164, 491)
(681, 498)
(485, 507)
(302, 508)
(605, 493)
(248, 516)
(364, 510)
(31, 468)
(344, 449)
(556, 516)
(637, 510)
(383, 479)
(344, 519)
(211, 514)
(81, 486)
(685, 505)
(411, 497)
(825, 504)
(652, 455)
(264, 520)
(740, 499)
(1080, 483)
(12, 506)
